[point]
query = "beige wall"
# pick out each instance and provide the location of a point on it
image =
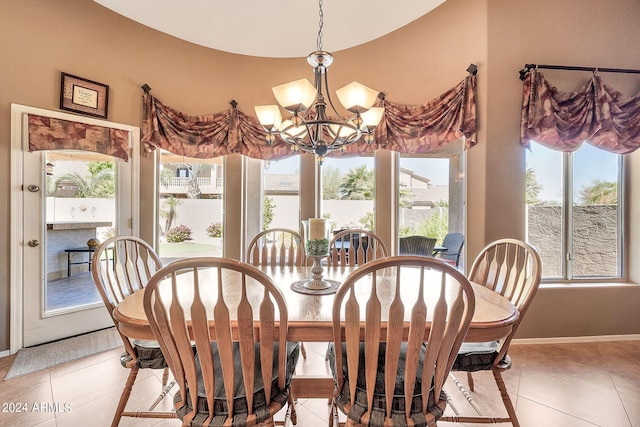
(41, 38)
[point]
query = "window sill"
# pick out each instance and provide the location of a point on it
(583, 285)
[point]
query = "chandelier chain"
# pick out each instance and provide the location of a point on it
(321, 24)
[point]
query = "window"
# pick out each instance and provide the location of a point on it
(431, 193)
(190, 207)
(574, 212)
(348, 192)
(281, 193)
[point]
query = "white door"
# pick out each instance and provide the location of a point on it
(59, 215)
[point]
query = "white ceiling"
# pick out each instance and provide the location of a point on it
(273, 28)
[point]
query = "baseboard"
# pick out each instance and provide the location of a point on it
(567, 340)
(5, 353)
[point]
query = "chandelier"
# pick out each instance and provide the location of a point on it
(310, 128)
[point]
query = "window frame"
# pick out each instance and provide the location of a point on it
(567, 200)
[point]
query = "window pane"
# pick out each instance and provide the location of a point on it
(281, 197)
(543, 195)
(81, 193)
(190, 207)
(348, 192)
(595, 213)
(424, 201)
(431, 191)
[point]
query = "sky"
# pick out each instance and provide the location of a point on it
(590, 164)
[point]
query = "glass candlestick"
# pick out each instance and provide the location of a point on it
(316, 234)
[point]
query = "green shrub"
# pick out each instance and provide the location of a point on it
(215, 229)
(178, 234)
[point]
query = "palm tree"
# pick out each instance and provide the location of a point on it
(168, 212)
(532, 187)
(358, 184)
(100, 182)
(600, 193)
(330, 183)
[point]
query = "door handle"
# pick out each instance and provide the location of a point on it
(33, 188)
(33, 243)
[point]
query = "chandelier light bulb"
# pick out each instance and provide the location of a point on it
(356, 97)
(295, 96)
(269, 116)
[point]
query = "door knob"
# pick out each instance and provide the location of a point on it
(33, 188)
(33, 243)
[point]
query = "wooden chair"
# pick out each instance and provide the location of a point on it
(416, 245)
(121, 266)
(241, 375)
(453, 242)
(277, 247)
(513, 269)
(354, 247)
(377, 365)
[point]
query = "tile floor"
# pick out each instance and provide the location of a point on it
(551, 385)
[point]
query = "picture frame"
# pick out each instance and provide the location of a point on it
(83, 96)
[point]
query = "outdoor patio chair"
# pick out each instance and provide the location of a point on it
(240, 376)
(453, 243)
(384, 375)
(416, 245)
(513, 269)
(354, 246)
(121, 266)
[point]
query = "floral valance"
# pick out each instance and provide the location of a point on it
(597, 114)
(48, 133)
(404, 128)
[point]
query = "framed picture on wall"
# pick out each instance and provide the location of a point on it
(83, 96)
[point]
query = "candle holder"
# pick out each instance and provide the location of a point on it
(317, 232)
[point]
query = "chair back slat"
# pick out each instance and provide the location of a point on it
(202, 339)
(277, 247)
(267, 337)
(394, 341)
(354, 246)
(240, 331)
(371, 340)
(441, 303)
(415, 340)
(513, 269)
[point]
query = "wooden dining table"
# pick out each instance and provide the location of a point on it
(309, 317)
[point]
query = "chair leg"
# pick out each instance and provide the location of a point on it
(505, 398)
(165, 391)
(303, 351)
(124, 397)
(466, 394)
(470, 381)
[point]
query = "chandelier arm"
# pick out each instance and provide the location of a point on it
(333, 107)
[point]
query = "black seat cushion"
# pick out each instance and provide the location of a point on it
(474, 357)
(260, 409)
(149, 356)
(377, 416)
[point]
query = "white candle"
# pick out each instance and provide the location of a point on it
(316, 228)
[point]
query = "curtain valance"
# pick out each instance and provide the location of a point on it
(48, 133)
(404, 128)
(596, 114)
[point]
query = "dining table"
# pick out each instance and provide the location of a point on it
(309, 315)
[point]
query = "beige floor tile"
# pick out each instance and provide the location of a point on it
(632, 406)
(581, 399)
(532, 414)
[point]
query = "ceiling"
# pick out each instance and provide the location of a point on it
(273, 28)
